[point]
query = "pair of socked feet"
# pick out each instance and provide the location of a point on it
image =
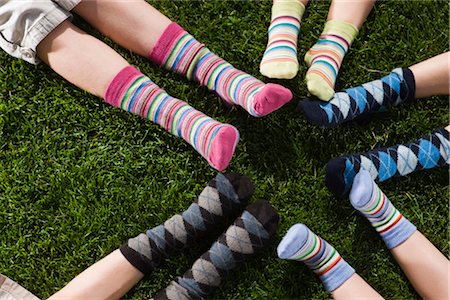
(178, 51)
(223, 197)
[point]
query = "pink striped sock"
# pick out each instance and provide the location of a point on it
(178, 51)
(136, 93)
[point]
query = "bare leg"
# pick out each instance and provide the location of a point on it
(109, 278)
(80, 58)
(425, 266)
(354, 12)
(432, 76)
(135, 25)
(355, 288)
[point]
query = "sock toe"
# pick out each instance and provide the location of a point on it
(294, 239)
(270, 98)
(222, 147)
(334, 178)
(313, 113)
(265, 214)
(318, 87)
(361, 191)
(279, 70)
(242, 185)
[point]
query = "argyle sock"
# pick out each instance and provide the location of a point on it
(426, 153)
(136, 93)
(280, 57)
(325, 57)
(367, 197)
(178, 51)
(248, 234)
(301, 244)
(221, 197)
(378, 95)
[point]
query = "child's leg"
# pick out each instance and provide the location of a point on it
(339, 278)
(93, 66)
(325, 57)
(280, 57)
(177, 50)
(431, 151)
(252, 231)
(114, 275)
(427, 78)
(109, 278)
(425, 266)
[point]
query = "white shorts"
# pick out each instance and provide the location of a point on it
(25, 23)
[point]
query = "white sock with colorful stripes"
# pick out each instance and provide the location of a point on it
(301, 244)
(280, 58)
(179, 51)
(370, 200)
(136, 93)
(325, 57)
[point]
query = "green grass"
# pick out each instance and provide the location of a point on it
(78, 177)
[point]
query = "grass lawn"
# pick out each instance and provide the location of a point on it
(78, 177)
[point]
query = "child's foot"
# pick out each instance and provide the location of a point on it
(426, 153)
(367, 198)
(325, 57)
(301, 244)
(177, 50)
(280, 58)
(358, 102)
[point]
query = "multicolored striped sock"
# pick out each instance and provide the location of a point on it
(394, 89)
(367, 197)
(136, 93)
(429, 152)
(251, 232)
(221, 198)
(178, 51)
(301, 244)
(280, 57)
(325, 57)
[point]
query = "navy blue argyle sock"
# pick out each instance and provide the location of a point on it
(378, 95)
(429, 152)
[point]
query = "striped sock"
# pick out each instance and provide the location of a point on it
(325, 57)
(394, 89)
(222, 196)
(280, 57)
(178, 51)
(136, 93)
(301, 244)
(429, 152)
(251, 232)
(367, 197)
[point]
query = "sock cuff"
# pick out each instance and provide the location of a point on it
(292, 8)
(346, 30)
(399, 234)
(340, 275)
(119, 83)
(408, 75)
(165, 41)
(135, 259)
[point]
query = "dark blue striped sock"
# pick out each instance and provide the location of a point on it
(378, 95)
